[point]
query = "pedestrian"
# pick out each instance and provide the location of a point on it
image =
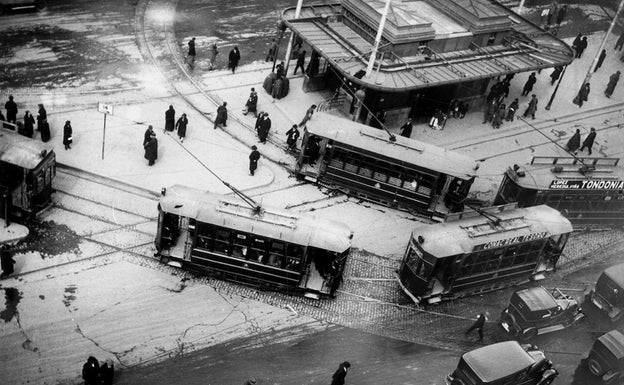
(479, 324)
(582, 95)
(181, 125)
(581, 47)
(258, 120)
(504, 92)
(233, 59)
(554, 76)
(214, 51)
(91, 371)
(438, 120)
(589, 141)
(489, 111)
(613, 81)
(576, 42)
(463, 109)
(148, 134)
(532, 108)
(620, 42)
(264, 127)
(42, 116)
(11, 109)
(511, 111)
(45, 131)
(278, 86)
(300, 61)
(291, 137)
(308, 115)
(169, 119)
(29, 124)
(280, 70)
(272, 51)
(252, 103)
(528, 86)
(67, 135)
(251, 381)
(339, 376)
(222, 116)
(107, 372)
(191, 53)
(552, 14)
(253, 160)
(575, 142)
(499, 116)
(6, 261)
(454, 108)
(151, 149)
(379, 119)
(406, 129)
(313, 150)
(561, 14)
(601, 58)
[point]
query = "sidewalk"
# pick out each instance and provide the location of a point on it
(12, 233)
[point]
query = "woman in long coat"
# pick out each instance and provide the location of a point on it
(151, 150)
(575, 141)
(67, 135)
(42, 116)
(45, 131)
(29, 124)
(170, 119)
(181, 126)
(583, 94)
(233, 59)
(613, 81)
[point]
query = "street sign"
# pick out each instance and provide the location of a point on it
(105, 108)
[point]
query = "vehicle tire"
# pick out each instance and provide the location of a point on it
(594, 367)
(549, 378)
(529, 333)
(40, 5)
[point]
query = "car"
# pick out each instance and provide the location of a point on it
(606, 357)
(608, 295)
(504, 363)
(536, 311)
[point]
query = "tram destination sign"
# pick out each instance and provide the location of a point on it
(594, 184)
(510, 241)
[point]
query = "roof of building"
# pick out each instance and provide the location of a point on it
(22, 151)
(530, 47)
(497, 361)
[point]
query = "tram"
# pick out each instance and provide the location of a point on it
(27, 167)
(374, 165)
(261, 246)
(588, 191)
(479, 251)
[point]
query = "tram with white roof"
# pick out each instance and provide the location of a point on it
(484, 250)
(392, 170)
(265, 247)
(588, 191)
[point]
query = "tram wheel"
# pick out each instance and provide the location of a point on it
(594, 367)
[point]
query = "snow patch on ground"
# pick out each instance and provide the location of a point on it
(30, 53)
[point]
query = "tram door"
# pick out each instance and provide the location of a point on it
(312, 156)
(175, 236)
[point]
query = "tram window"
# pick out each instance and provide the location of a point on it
(338, 159)
(240, 245)
(507, 261)
(352, 162)
(520, 259)
(222, 241)
(205, 235)
(294, 254)
(366, 167)
(532, 257)
(381, 171)
(394, 177)
(259, 245)
(276, 253)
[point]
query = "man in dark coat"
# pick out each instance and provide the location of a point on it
(151, 150)
(581, 47)
(107, 372)
(341, 373)
(29, 124)
(478, 325)
(582, 95)
(148, 134)
(67, 135)
(11, 109)
(169, 119)
(291, 137)
(45, 131)
(252, 103)
(532, 108)
(91, 371)
(589, 141)
(577, 42)
(222, 116)
(575, 142)
(264, 127)
(6, 261)
(300, 62)
(258, 120)
(601, 58)
(233, 59)
(511, 111)
(191, 53)
(561, 14)
(406, 129)
(42, 116)
(254, 157)
(555, 74)
(181, 127)
(528, 86)
(613, 81)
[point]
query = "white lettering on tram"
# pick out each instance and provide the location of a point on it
(510, 241)
(586, 185)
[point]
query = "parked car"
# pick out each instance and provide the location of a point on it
(606, 357)
(608, 296)
(536, 311)
(504, 363)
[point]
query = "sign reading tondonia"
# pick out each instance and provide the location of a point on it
(586, 184)
(510, 241)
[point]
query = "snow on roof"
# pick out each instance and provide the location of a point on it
(22, 151)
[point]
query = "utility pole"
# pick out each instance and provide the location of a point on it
(292, 37)
(556, 88)
(382, 22)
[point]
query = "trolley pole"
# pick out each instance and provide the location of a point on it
(382, 23)
(292, 37)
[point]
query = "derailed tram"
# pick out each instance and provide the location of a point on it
(475, 252)
(260, 246)
(588, 191)
(391, 170)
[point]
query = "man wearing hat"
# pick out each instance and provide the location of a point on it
(253, 159)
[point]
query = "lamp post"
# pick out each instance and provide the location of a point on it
(292, 37)
(556, 88)
(382, 22)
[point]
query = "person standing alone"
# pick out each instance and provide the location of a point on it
(191, 53)
(67, 135)
(233, 59)
(613, 81)
(181, 127)
(254, 157)
(300, 62)
(341, 373)
(528, 86)
(169, 119)
(11, 109)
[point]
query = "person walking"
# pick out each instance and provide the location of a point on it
(620, 42)
(291, 137)
(148, 134)
(528, 86)
(589, 141)
(582, 95)
(233, 59)
(613, 81)
(601, 59)
(489, 111)
(6, 261)
(532, 108)
(406, 129)
(478, 325)
(554, 76)
(191, 53)
(300, 62)
(169, 119)
(576, 42)
(561, 14)
(214, 51)
(107, 372)
(222, 116)
(252, 103)
(151, 149)
(511, 111)
(263, 127)
(91, 371)
(272, 51)
(11, 109)
(308, 115)
(254, 157)
(575, 142)
(181, 125)
(29, 124)
(341, 373)
(581, 47)
(67, 135)
(42, 116)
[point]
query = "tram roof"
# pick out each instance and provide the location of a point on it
(22, 151)
(497, 361)
(232, 212)
(403, 149)
(476, 233)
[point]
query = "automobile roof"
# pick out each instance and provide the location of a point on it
(616, 274)
(537, 298)
(614, 342)
(493, 362)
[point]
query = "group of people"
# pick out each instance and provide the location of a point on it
(95, 374)
(27, 126)
(497, 111)
(234, 56)
(575, 142)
